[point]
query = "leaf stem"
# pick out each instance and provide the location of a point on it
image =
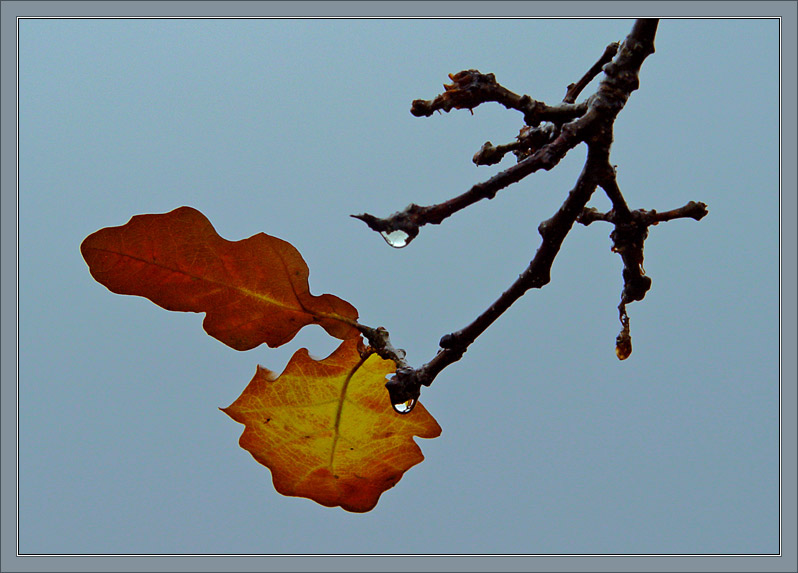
(339, 411)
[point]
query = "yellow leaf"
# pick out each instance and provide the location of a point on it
(326, 428)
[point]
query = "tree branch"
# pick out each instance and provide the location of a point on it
(405, 386)
(470, 88)
(527, 142)
(537, 274)
(538, 147)
(594, 127)
(413, 217)
(692, 210)
(380, 343)
(619, 206)
(628, 238)
(574, 90)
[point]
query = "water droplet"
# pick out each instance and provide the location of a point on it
(405, 407)
(396, 239)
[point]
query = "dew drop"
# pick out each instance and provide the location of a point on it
(396, 239)
(405, 407)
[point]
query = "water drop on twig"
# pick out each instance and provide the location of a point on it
(405, 407)
(396, 239)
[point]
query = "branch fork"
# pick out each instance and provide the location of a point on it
(547, 136)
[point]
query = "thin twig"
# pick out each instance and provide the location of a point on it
(595, 128)
(619, 206)
(574, 90)
(380, 343)
(692, 210)
(628, 240)
(413, 217)
(536, 275)
(528, 141)
(470, 88)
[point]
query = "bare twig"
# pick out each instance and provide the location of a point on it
(628, 239)
(594, 127)
(380, 343)
(413, 217)
(470, 88)
(574, 90)
(619, 206)
(528, 141)
(539, 147)
(692, 210)
(536, 275)
(490, 154)
(406, 384)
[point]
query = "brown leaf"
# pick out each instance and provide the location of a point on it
(254, 290)
(326, 429)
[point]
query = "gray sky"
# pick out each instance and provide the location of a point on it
(549, 444)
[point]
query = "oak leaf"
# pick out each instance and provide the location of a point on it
(253, 291)
(326, 429)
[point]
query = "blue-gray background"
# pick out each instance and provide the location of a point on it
(549, 444)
